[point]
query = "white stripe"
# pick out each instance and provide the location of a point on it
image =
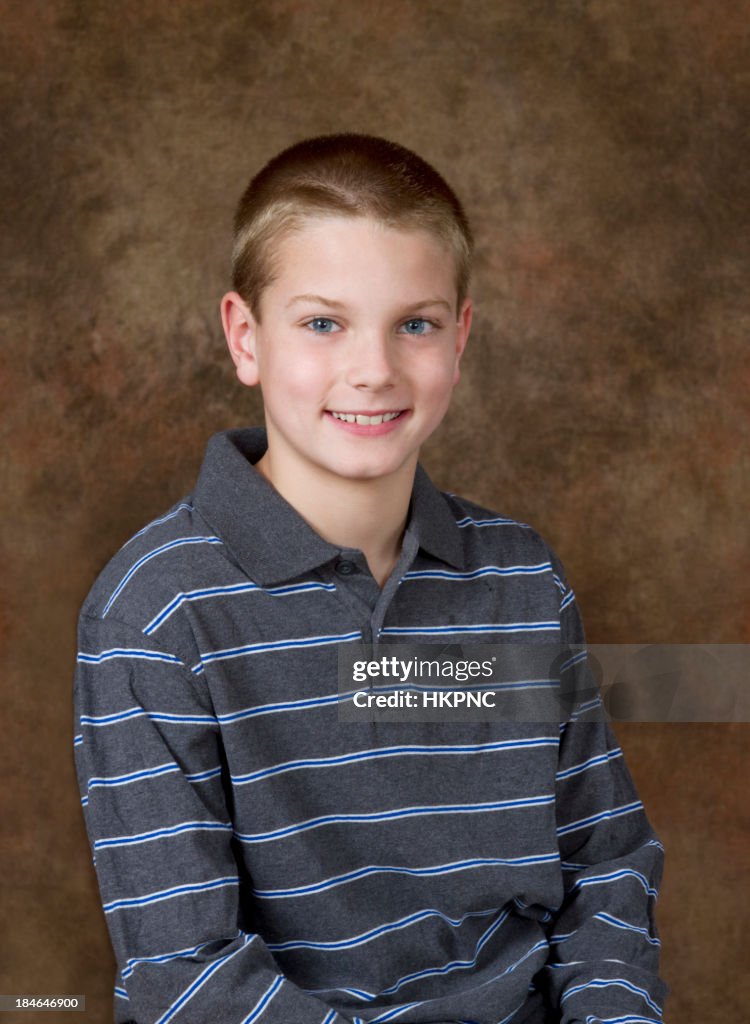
(374, 933)
(583, 766)
(163, 833)
(593, 819)
(127, 652)
(204, 593)
(133, 962)
(495, 521)
(615, 876)
(486, 627)
(199, 982)
(483, 570)
(430, 871)
(274, 645)
(381, 816)
(607, 983)
(188, 889)
(616, 922)
(447, 968)
(177, 542)
(264, 1000)
(158, 522)
(378, 752)
(125, 780)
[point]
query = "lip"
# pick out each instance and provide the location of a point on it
(364, 412)
(368, 430)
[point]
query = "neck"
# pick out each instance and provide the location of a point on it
(369, 515)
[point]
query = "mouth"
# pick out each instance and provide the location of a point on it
(366, 419)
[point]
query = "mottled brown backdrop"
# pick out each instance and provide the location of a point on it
(601, 148)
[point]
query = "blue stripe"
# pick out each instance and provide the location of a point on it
(274, 645)
(264, 1000)
(374, 933)
(427, 972)
(583, 709)
(174, 830)
(606, 983)
(485, 570)
(395, 1012)
(575, 659)
(495, 521)
(593, 819)
(157, 522)
(443, 685)
(508, 627)
(630, 1018)
(448, 968)
(288, 705)
(614, 876)
(340, 698)
(161, 958)
(124, 780)
(127, 652)
(199, 982)
(235, 588)
(96, 721)
(576, 769)
(366, 755)
(121, 993)
(210, 773)
(168, 894)
(617, 922)
(374, 869)
(116, 716)
(375, 816)
(147, 558)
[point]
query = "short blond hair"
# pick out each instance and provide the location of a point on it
(346, 174)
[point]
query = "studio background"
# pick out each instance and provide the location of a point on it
(601, 151)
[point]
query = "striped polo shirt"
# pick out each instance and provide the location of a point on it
(261, 860)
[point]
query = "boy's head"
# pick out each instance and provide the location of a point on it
(350, 175)
(349, 310)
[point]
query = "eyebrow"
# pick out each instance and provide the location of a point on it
(333, 304)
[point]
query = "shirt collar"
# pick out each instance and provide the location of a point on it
(269, 538)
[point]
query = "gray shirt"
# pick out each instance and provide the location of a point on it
(261, 860)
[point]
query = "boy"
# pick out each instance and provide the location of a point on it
(260, 860)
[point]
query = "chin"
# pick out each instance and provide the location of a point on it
(367, 471)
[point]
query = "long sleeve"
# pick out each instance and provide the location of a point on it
(604, 945)
(149, 763)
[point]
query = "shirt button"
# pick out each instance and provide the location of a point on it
(345, 568)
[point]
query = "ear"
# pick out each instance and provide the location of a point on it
(462, 334)
(240, 330)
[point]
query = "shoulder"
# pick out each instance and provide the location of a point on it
(487, 532)
(167, 553)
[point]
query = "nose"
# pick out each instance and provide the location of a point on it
(372, 362)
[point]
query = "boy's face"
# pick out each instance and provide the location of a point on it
(360, 322)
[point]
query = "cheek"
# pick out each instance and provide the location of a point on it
(437, 379)
(295, 382)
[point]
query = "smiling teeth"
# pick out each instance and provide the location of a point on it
(365, 421)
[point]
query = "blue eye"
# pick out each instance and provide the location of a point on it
(321, 325)
(422, 326)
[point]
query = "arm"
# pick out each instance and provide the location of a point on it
(148, 756)
(604, 946)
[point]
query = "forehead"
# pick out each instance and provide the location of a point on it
(362, 252)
